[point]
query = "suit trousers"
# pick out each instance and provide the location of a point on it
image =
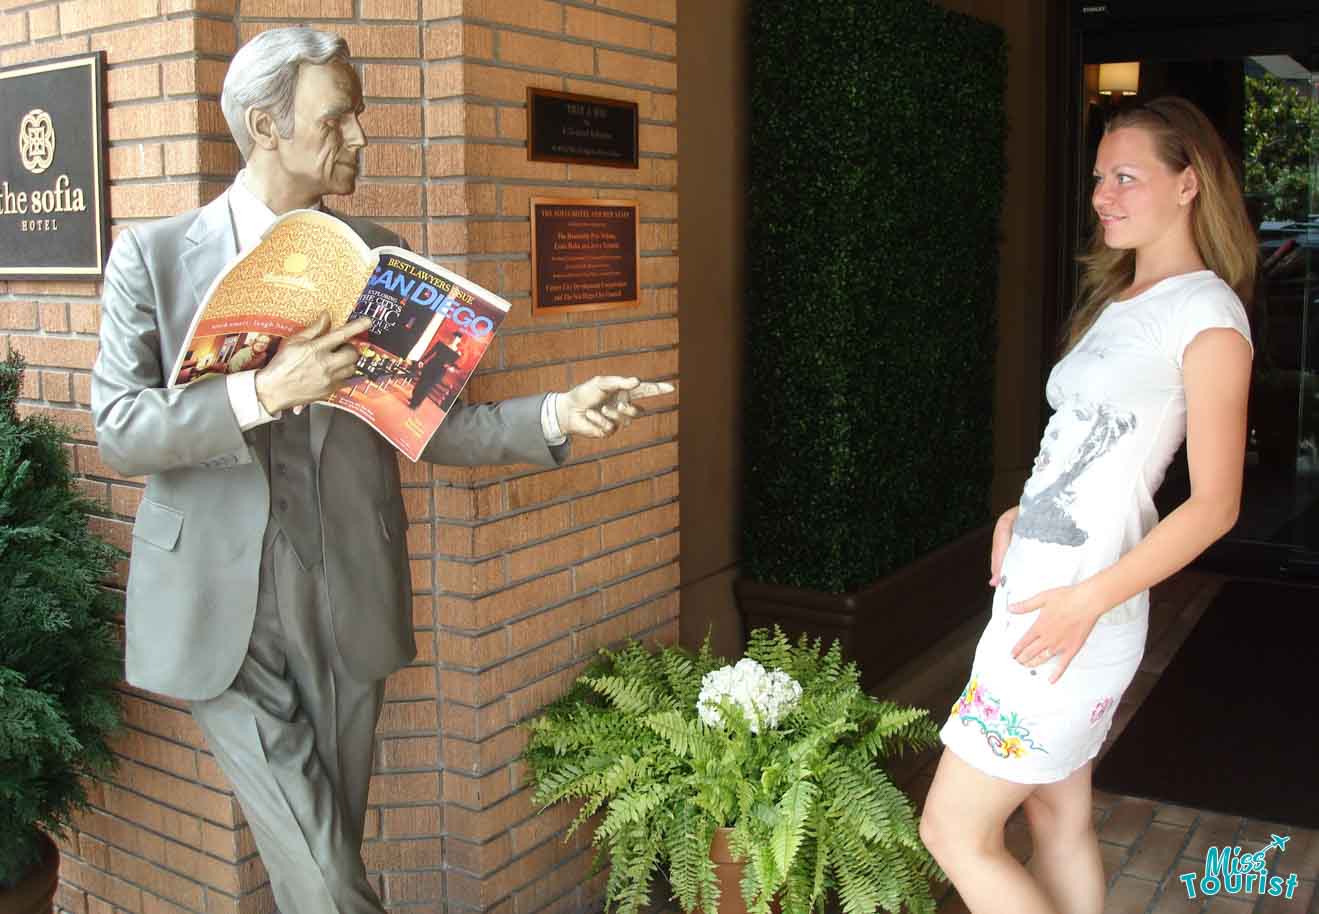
(294, 733)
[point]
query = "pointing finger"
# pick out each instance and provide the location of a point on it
(336, 338)
(314, 329)
(650, 389)
(610, 383)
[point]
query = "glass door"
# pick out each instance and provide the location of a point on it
(1282, 182)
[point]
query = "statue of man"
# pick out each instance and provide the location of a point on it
(269, 581)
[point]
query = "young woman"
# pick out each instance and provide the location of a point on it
(1158, 351)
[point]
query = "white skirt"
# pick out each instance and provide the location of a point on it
(1011, 723)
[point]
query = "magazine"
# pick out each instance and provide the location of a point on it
(430, 326)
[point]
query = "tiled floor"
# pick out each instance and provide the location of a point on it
(1145, 844)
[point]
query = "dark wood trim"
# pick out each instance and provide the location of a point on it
(1061, 99)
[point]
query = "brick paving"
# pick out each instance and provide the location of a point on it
(1146, 845)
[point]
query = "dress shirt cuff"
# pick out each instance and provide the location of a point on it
(549, 420)
(243, 400)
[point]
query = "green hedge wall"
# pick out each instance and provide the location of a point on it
(876, 176)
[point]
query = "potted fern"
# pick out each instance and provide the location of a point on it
(776, 761)
(59, 658)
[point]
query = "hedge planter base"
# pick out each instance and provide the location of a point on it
(36, 893)
(889, 622)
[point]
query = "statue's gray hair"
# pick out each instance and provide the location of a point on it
(264, 74)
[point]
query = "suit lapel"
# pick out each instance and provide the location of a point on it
(213, 247)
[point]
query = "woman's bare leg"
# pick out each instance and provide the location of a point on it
(1066, 862)
(962, 825)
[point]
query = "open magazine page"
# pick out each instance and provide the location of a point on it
(307, 263)
(430, 328)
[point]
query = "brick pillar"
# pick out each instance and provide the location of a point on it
(538, 569)
(519, 573)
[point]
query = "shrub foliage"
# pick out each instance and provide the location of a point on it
(59, 658)
(1280, 132)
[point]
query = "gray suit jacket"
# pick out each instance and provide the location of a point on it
(192, 582)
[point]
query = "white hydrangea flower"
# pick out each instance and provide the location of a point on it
(764, 697)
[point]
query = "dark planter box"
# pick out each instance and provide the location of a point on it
(891, 621)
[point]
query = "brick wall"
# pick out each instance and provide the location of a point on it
(520, 574)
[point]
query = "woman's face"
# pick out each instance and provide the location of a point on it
(1139, 199)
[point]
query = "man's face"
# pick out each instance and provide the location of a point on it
(321, 155)
(261, 343)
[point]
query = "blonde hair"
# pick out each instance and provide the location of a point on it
(1224, 237)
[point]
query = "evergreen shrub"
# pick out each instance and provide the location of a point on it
(59, 657)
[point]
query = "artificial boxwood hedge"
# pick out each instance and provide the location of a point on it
(876, 175)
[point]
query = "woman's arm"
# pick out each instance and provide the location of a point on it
(1216, 374)
(1216, 371)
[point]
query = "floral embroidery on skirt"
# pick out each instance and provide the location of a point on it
(1003, 731)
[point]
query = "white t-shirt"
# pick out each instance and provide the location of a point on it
(1119, 416)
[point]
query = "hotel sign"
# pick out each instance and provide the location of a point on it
(53, 221)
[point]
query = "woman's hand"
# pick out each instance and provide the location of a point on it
(1002, 536)
(1067, 615)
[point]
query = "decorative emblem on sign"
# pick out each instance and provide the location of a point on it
(36, 141)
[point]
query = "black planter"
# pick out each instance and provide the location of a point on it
(894, 619)
(35, 893)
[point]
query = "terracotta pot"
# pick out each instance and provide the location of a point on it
(35, 894)
(728, 869)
